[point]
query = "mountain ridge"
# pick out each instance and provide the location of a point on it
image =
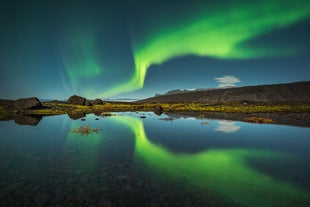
(284, 92)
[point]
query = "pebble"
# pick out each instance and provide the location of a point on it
(104, 202)
(41, 199)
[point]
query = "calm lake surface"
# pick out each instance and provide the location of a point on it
(153, 162)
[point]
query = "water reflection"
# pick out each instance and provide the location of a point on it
(76, 115)
(31, 120)
(225, 172)
(227, 126)
(126, 163)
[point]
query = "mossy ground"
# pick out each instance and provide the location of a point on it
(258, 120)
(52, 108)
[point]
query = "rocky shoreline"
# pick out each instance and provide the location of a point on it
(30, 111)
(289, 102)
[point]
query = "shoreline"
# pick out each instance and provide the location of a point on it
(297, 114)
(57, 108)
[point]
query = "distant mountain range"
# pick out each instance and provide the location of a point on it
(288, 92)
(120, 99)
(177, 91)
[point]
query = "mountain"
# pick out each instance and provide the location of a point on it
(288, 92)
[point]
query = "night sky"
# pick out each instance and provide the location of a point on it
(135, 49)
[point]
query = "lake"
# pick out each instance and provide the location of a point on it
(153, 161)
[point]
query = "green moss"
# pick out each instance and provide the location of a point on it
(4, 113)
(258, 120)
(233, 108)
(64, 108)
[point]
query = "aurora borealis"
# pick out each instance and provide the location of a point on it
(53, 49)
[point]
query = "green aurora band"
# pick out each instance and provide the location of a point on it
(222, 171)
(78, 53)
(220, 34)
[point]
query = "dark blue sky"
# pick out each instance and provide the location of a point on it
(134, 49)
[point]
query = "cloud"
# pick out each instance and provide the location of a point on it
(227, 81)
(227, 126)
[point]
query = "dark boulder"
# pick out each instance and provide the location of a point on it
(97, 101)
(88, 103)
(6, 103)
(158, 110)
(27, 103)
(76, 100)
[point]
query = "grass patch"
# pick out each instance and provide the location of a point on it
(4, 113)
(84, 130)
(233, 108)
(258, 120)
(105, 109)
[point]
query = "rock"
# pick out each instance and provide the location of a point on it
(142, 117)
(158, 110)
(97, 101)
(6, 103)
(41, 199)
(76, 100)
(9, 188)
(104, 202)
(27, 103)
(88, 103)
(31, 120)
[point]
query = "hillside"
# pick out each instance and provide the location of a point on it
(289, 92)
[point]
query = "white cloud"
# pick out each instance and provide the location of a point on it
(227, 81)
(227, 126)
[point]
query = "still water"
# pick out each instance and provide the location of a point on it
(153, 161)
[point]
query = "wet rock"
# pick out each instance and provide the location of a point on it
(27, 103)
(104, 202)
(158, 110)
(83, 119)
(88, 103)
(59, 198)
(31, 120)
(142, 117)
(6, 103)
(10, 188)
(97, 101)
(41, 199)
(76, 100)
